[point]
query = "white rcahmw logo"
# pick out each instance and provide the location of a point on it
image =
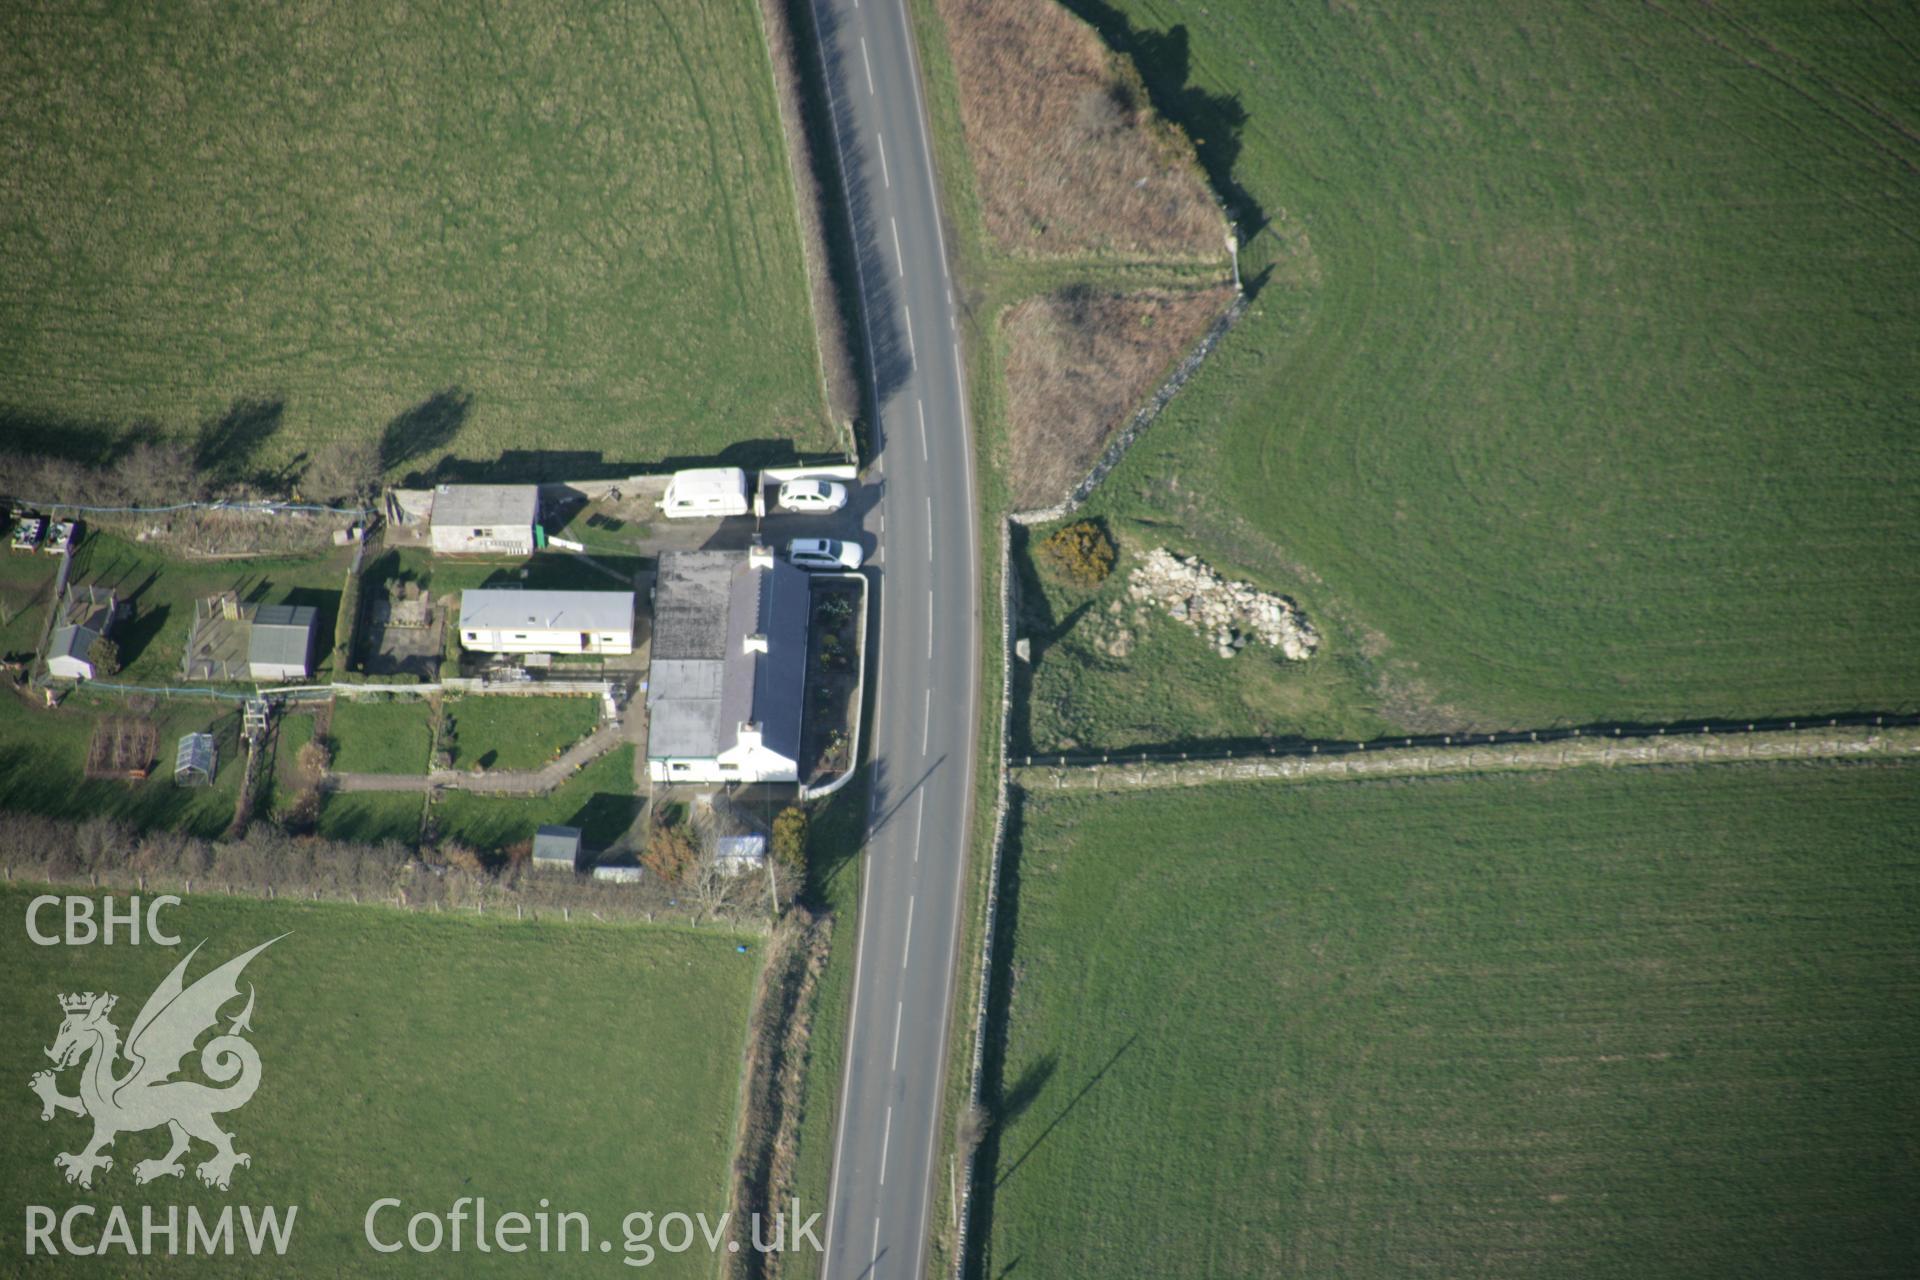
(145, 1097)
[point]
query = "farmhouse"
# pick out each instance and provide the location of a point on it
(485, 519)
(727, 669)
(280, 643)
(86, 616)
(508, 620)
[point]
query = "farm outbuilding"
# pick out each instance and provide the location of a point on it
(556, 847)
(485, 519)
(280, 646)
(196, 761)
(497, 620)
(86, 616)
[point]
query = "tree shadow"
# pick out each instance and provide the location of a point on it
(136, 633)
(428, 427)
(1213, 121)
(224, 449)
(90, 442)
(603, 819)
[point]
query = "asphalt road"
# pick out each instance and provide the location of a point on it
(926, 563)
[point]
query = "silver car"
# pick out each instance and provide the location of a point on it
(828, 554)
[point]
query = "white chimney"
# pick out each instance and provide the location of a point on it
(759, 556)
(749, 733)
(757, 642)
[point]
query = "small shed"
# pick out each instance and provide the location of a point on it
(196, 761)
(86, 614)
(557, 847)
(280, 643)
(734, 854)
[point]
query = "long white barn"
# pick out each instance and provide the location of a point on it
(497, 620)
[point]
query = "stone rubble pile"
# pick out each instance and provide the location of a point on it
(1230, 615)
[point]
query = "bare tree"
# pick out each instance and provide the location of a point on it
(346, 469)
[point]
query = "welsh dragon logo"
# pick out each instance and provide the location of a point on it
(146, 1096)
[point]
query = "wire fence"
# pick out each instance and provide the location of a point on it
(273, 508)
(1334, 747)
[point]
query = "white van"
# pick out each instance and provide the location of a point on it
(708, 491)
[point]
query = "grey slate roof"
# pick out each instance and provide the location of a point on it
(481, 506)
(703, 682)
(557, 844)
(282, 635)
(494, 609)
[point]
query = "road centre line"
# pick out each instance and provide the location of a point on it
(921, 407)
(869, 61)
(899, 257)
(926, 723)
(912, 353)
(898, 1009)
(883, 160)
(906, 948)
(919, 820)
(929, 624)
(929, 527)
(886, 1137)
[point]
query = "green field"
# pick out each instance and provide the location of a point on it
(380, 737)
(557, 230)
(1592, 1023)
(600, 799)
(596, 1067)
(1580, 384)
(517, 732)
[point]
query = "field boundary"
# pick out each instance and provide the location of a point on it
(1725, 746)
(1142, 419)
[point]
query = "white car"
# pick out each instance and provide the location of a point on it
(824, 553)
(812, 496)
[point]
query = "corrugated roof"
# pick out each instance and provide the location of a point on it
(484, 505)
(690, 603)
(492, 609)
(72, 642)
(282, 635)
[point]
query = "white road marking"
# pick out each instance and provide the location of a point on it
(919, 820)
(886, 1137)
(929, 624)
(926, 725)
(899, 257)
(883, 160)
(906, 948)
(912, 352)
(876, 1244)
(869, 61)
(898, 1009)
(929, 528)
(921, 406)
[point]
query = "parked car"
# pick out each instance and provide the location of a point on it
(824, 553)
(812, 496)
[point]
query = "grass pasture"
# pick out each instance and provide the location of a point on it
(1596, 1024)
(557, 232)
(357, 1010)
(1579, 385)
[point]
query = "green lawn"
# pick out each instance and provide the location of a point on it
(162, 591)
(26, 592)
(600, 799)
(43, 759)
(372, 816)
(556, 230)
(421, 1057)
(517, 732)
(371, 736)
(1581, 384)
(1594, 1024)
(290, 733)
